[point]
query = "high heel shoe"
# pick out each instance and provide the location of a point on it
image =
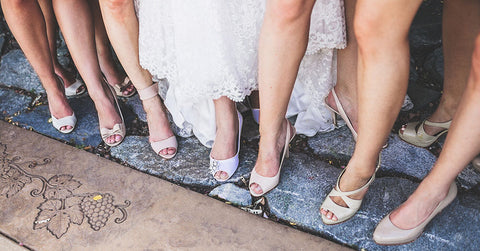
(65, 121)
(341, 112)
(120, 87)
(256, 115)
(387, 233)
(227, 165)
(268, 183)
(72, 90)
(170, 142)
(414, 132)
(118, 129)
(344, 213)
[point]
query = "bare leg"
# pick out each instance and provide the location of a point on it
(27, 24)
(461, 23)
(122, 28)
(225, 145)
(76, 21)
(383, 69)
(346, 87)
(105, 56)
(283, 38)
(461, 145)
(52, 32)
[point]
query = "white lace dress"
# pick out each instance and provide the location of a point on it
(208, 49)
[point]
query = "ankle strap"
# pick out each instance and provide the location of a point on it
(149, 92)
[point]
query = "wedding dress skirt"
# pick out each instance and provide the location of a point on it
(208, 49)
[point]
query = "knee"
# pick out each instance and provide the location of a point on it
(116, 7)
(366, 31)
(290, 10)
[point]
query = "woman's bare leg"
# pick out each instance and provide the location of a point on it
(105, 56)
(383, 67)
(27, 24)
(225, 145)
(461, 23)
(283, 38)
(122, 28)
(462, 145)
(76, 22)
(52, 33)
(346, 87)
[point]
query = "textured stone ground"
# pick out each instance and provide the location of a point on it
(306, 178)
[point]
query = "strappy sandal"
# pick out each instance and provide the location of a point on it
(415, 134)
(229, 165)
(269, 183)
(65, 121)
(386, 233)
(118, 129)
(120, 88)
(170, 142)
(344, 213)
(341, 112)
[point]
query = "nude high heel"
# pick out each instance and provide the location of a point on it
(170, 142)
(387, 233)
(268, 183)
(118, 129)
(344, 213)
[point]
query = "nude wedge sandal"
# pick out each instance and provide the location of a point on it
(170, 142)
(269, 183)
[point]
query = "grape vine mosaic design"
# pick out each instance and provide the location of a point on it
(61, 207)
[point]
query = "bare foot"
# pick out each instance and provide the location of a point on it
(158, 124)
(419, 206)
(352, 179)
(268, 161)
(225, 146)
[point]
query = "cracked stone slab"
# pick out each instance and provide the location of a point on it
(233, 194)
(2, 40)
(12, 103)
(338, 144)
(15, 70)
(305, 182)
(190, 166)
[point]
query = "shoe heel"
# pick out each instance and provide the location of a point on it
(334, 118)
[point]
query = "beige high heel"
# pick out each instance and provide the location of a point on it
(415, 134)
(120, 87)
(344, 213)
(269, 183)
(387, 233)
(170, 142)
(118, 129)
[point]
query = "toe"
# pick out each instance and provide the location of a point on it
(118, 138)
(323, 212)
(171, 150)
(223, 175)
(256, 188)
(329, 215)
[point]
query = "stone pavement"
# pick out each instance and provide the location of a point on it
(62, 198)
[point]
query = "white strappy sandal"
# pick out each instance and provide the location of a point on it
(170, 142)
(118, 129)
(228, 165)
(269, 183)
(65, 121)
(344, 213)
